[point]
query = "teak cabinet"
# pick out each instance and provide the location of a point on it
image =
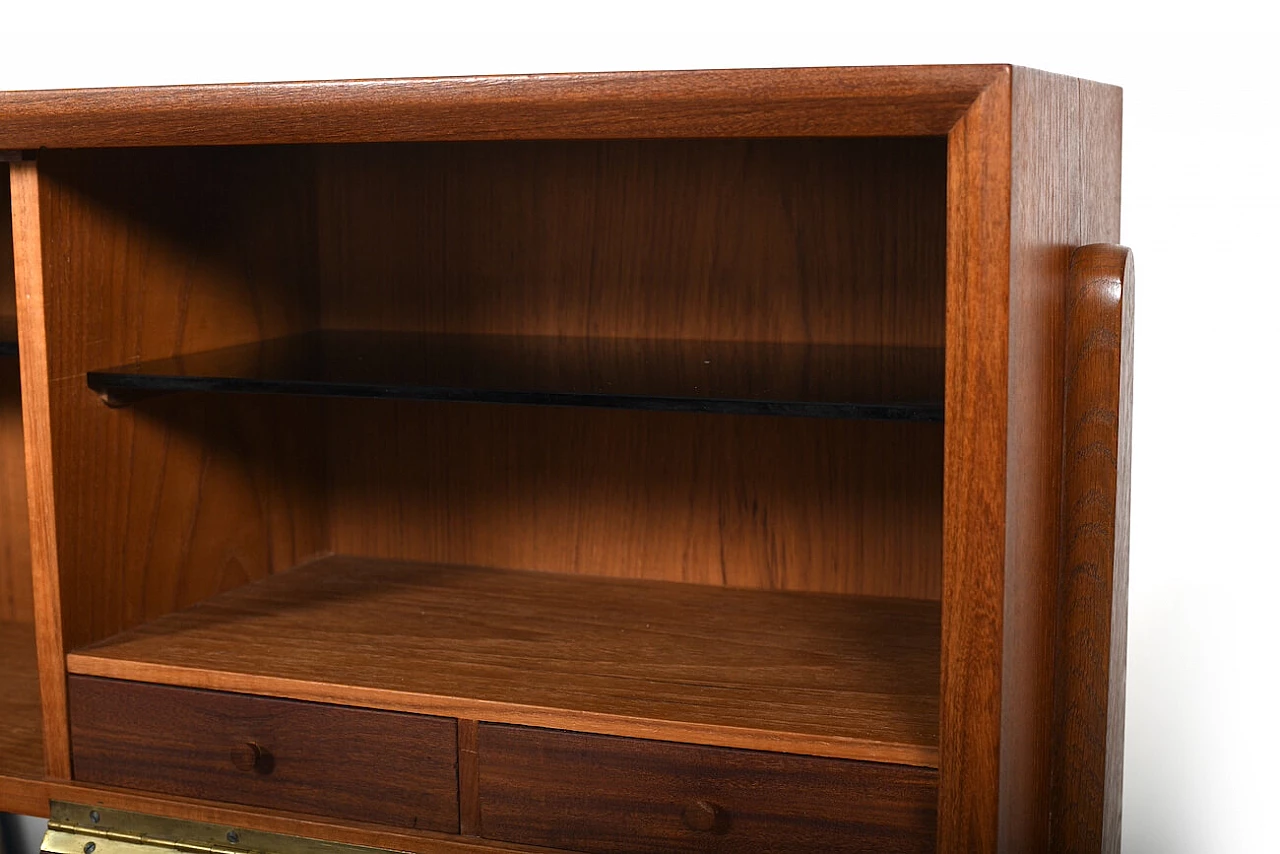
(663, 462)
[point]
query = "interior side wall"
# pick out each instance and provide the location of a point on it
(150, 253)
(831, 241)
(15, 548)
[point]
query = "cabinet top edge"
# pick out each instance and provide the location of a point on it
(924, 100)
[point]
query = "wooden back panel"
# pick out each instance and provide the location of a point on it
(823, 241)
(832, 241)
(15, 547)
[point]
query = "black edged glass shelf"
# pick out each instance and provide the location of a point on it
(805, 380)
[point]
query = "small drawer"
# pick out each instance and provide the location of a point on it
(597, 793)
(333, 761)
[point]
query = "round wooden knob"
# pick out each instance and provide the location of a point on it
(704, 816)
(252, 756)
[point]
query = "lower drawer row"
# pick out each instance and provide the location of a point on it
(551, 788)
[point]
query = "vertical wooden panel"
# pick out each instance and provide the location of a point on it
(819, 240)
(151, 253)
(29, 276)
(974, 499)
(1046, 204)
(1065, 176)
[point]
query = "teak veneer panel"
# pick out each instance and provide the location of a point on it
(126, 255)
(21, 754)
(807, 673)
(837, 242)
(897, 101)
(765, 503)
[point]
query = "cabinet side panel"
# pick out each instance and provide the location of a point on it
(15, 548)
(152, 253)
(1065, 193)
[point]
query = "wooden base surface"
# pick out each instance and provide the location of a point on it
(840, 676)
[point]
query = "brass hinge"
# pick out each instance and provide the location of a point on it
(77, 829)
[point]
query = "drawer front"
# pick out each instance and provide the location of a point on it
(598, 793)
(334, 761)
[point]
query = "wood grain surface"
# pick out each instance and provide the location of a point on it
(763, 503)
(1094, 585)
(21, 753)
(901, 101)
(1066, 180)
(333, 761)
(974, 484)
(1020, 199)
(808, 673)
(141, 511)
(827, 242)
(631, 796)
(38, 457)
(811, 241)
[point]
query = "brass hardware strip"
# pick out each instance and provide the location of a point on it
(78, 829)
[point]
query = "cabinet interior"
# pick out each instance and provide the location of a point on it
(744, 498)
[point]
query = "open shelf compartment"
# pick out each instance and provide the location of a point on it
(826, 675)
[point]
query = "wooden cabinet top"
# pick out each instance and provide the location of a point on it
(871, 101)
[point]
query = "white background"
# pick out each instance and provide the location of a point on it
(1201, 194)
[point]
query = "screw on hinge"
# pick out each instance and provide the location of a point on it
(233, 837)
(94, 817)
(90, 847)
